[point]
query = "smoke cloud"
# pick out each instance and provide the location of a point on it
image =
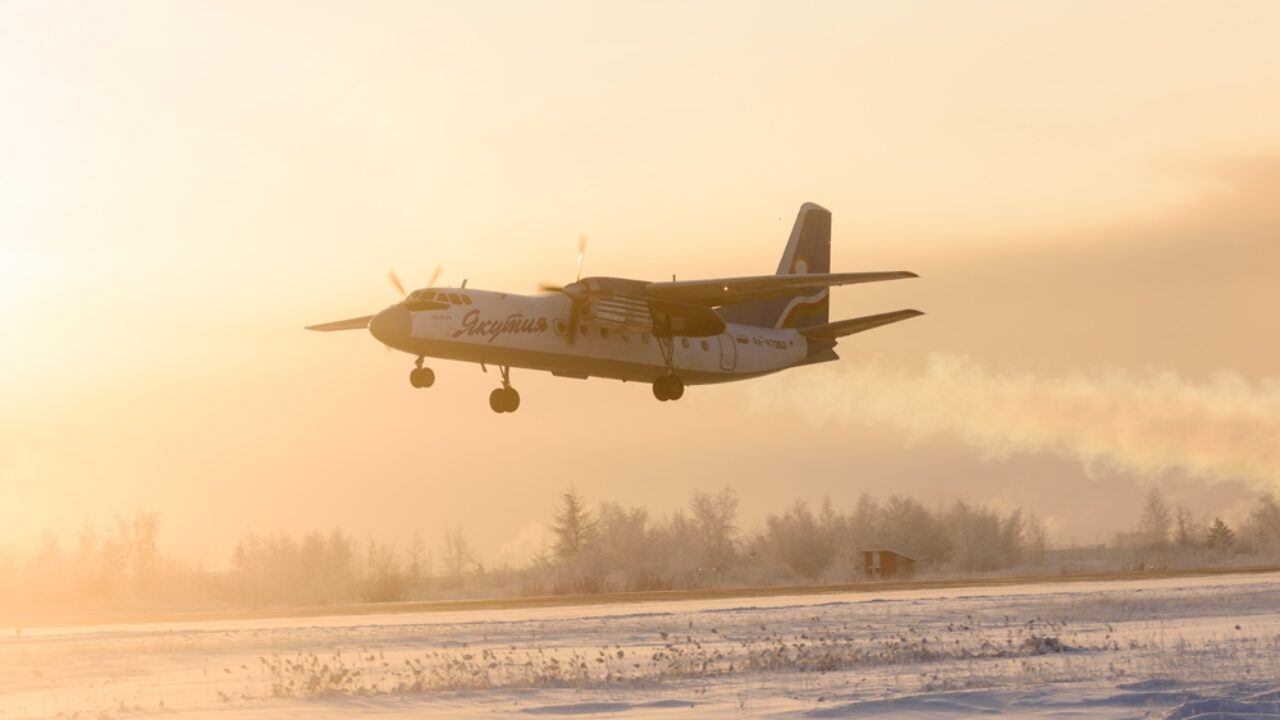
(1222, 429)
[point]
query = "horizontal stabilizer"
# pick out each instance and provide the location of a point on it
(360, 323)
(832, 331)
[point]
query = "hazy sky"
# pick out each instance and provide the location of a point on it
(1088, 190)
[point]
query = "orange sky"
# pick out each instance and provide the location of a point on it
(183, 186)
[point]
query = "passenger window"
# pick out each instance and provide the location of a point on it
(684, 343)
(705, 346)
(604, 332)
(453, 298)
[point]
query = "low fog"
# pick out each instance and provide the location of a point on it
(1136, 424)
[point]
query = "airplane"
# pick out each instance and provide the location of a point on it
(666, 334)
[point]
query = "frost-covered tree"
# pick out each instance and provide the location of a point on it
(384, 581)
(977, 536)
(1157, 519)
(623, 547)
(907, 526)
(1262, 530)
(797, 542)
(1184, 533)
(417, 559)
(864, 526)
(574, 527)
(1036, 541)
(716, 517)
(457, 553)
(1220, 537)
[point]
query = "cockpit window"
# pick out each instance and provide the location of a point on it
(426, 300)
(466, 300)
(453, 298)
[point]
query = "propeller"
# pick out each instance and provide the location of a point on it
(582, 251)
(576, 293)
(399, 286)
(395, 282)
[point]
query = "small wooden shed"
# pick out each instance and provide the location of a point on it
(885, 564)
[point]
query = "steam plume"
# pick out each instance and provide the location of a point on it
(1225, 428)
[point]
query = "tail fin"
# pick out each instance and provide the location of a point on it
(808, 251)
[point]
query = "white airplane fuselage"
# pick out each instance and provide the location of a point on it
(532, 331)
(667, 334)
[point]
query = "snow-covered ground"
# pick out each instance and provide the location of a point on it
(1178, 648)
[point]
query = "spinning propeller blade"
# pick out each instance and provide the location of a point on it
(576, 296)
(395, 282)
(582, 250)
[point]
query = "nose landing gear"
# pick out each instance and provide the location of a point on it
(421, 377)
(504, 399)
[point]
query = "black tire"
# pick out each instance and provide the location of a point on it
(422, 377)
(661, 389)
(513, 400)
(675, 388)
(497, 401)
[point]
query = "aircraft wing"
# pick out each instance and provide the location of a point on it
(359, 323)
(728, 291)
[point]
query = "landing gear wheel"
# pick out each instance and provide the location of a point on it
(422, 377)
(668, 387)
(504, 400)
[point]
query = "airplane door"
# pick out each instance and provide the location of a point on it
(728, 352)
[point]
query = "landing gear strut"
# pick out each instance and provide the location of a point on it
(669, 386)
(421, 377)
(504, 399)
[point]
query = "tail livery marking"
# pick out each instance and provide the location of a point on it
(804, 311)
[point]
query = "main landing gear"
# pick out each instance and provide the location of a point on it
(504, 399)
(669, 386)
(421, 377)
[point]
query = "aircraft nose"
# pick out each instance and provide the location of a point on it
(391, 326)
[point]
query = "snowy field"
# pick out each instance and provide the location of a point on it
(1205, 647)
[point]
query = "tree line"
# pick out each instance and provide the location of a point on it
(605, 547)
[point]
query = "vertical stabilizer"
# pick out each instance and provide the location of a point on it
(808, 251)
